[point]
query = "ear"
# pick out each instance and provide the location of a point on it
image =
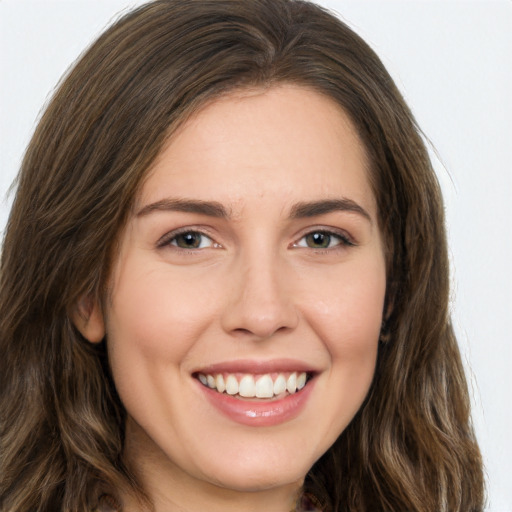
(88, 319)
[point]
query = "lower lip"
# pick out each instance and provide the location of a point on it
(259, 414)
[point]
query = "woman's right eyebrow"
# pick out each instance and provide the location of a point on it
(209, 208)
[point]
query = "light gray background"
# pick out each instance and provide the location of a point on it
(453, 62)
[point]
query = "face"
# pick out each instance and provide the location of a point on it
(246, 301)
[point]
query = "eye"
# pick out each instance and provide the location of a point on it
(322, 239)
(189, 240)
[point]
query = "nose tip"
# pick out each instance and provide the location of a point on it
(260, 306)
(262, 327)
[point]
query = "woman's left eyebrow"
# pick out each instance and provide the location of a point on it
(315, 208)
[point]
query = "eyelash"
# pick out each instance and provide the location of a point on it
(343, 240)
(169, 238)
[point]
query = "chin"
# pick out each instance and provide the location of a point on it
(255, 481)
(257, 471)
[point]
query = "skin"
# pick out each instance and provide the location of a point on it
(256, 289)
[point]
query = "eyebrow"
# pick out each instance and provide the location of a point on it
(215, 209)
(315, 208)
(209, 208)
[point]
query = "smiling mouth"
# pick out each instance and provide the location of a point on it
(261, 386)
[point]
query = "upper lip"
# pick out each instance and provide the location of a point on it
(257, 366)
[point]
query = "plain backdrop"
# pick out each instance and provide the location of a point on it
(453, 62)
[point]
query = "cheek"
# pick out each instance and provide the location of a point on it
(348, 320)
(155, 318)
(350, 334)
(350, 327)
(349, 312)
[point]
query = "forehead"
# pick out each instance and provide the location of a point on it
(283, 143)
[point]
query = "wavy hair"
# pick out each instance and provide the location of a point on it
(410, 447)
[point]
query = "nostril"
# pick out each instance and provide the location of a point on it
(242, 331)
(260, 333)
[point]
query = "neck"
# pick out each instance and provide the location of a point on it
(171, 496)
(213, 500)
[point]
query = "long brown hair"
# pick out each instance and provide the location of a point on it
(411, 446)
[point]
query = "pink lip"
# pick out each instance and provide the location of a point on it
(257, 367)
(259, 413)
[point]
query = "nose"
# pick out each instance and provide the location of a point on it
(260, 299)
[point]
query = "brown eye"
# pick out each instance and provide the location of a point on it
(191, 240)
(319, 240)
(322, 239)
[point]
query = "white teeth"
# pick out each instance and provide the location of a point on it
(291, 383)
(219, 381)
(301, 381)
(279, 385)
(265, 387)
(231, 385)
(248, 387)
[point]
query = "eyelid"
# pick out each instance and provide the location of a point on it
(346, 240)
(165, 240)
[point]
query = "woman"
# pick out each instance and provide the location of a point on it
(225, 279)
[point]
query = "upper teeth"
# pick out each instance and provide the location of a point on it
(251, 386)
